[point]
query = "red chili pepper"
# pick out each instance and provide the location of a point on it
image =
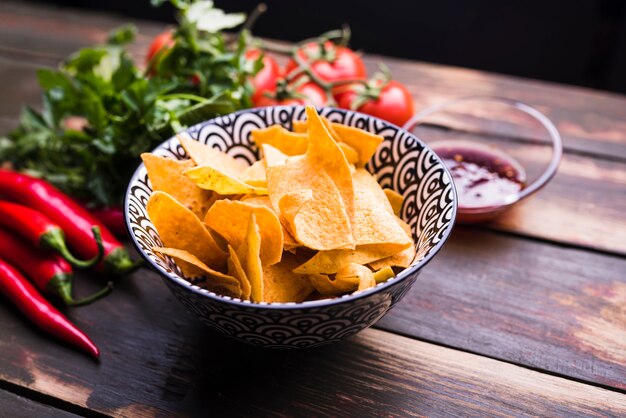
(71, 217)
(48, 271)
(44, 234)
(112, 217)
(40, 311)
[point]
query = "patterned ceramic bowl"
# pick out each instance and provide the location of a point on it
(402, 162)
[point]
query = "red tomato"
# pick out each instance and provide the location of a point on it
(313, 93)
(394, 102)
(332, 63)
(265, 79)
(163, 40)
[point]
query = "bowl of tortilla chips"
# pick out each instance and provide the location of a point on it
(290, 226)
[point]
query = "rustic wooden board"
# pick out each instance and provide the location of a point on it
(590, 121)
(15, 406)
(547, 307)
(159, 360)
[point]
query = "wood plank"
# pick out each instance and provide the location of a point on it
(547, 307)
(18, 407)
(590, 121)
(159, 360)
(583, 205)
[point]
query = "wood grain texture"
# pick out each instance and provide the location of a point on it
(14, 406)
(590, 121)
(544, 306)
(158, 360)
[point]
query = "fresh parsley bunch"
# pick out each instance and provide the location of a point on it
(123, 110)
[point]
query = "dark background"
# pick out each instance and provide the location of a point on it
(576, 42)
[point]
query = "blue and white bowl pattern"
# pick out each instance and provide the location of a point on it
(402, 162)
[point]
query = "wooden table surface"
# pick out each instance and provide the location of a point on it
(523, 316)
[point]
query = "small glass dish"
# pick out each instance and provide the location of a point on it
(500, 151)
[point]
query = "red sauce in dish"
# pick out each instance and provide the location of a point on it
(483, 177)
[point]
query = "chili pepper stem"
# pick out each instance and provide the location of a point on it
(119, 263)
(61, 286)
(54, 239)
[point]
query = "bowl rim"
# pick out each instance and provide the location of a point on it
(403, 275)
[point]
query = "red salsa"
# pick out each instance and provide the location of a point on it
(483, 177)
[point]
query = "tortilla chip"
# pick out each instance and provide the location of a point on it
(351, 155)
(364, 143)
(289, 143)
(375, 222)
(215, 279)
(249, 254)
(384, 274)
(209, 178)
(254, 175)
(230, 219)
(273, 156)
(363, 274)
(166, 175)
(203, 154)
(236, 270)
(179, 228)
(299, 126)
(329, 262)
(289, 242)
(315, 217)
(324, 285)
(280, 284)
(324, 153)
(395, 200)
(402, 259)
(325, 219)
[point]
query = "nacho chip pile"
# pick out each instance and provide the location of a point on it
(307, 221)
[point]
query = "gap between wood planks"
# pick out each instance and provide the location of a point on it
(49, 400)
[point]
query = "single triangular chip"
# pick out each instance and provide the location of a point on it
(324, 153)
(254, 175)
(289, 242)
(351, 155)
(383, 274)
(280, 284)
(402, 259)
(299, 126)
(230, 219)
(209, 178)
(203, 154)
(289, 143)
(249, 254)
(216, 280)
(374, 221)
(179, 228)
(326, 286)
(363, 274)
(273, 156)
(363, 142)
(166, 175)
(236, 270)
(395, 200)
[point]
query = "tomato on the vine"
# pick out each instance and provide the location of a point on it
(306, 93)
(388, 100)
(330, 62)
(163, 40)
(265, 80)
